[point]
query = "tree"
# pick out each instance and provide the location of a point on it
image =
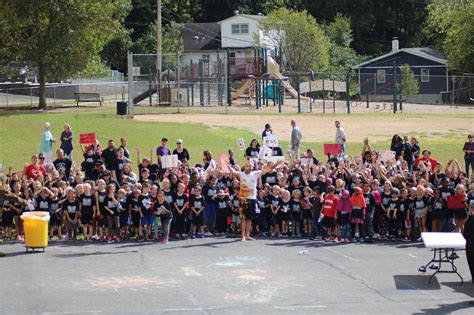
(59, 37)
(114, 54)
(451, 22)
(341, 56)
(375, 22)
(302, 41)
(409, 85)
(171, 43)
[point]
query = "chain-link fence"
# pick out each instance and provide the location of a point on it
(432, 89)
(184, 80)
(22, 94)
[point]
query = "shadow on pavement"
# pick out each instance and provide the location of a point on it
(415, 282)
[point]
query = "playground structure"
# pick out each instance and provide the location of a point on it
(221, 79)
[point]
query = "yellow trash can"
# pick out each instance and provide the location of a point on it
(35, 224)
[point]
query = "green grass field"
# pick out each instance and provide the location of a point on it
(21, 134)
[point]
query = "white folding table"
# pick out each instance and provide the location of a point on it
(443, 244)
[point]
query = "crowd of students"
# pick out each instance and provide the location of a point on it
(343, 199)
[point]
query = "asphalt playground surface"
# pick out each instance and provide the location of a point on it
(225, 276)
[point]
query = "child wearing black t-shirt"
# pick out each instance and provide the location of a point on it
(393, 207)
(146, 205)
(124, 213)
(223, 210)
(197, 205)
(100, 219)
(87, 210)
(307, 204)
(285, 211)
(296, 212)
(163, 210)
(275, 206)
(112, 208)
(180, 205)
(70, 208)
(135, 212)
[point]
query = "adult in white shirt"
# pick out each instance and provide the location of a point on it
(248, 196)
(341, 138)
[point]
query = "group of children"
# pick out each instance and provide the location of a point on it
(340, 201)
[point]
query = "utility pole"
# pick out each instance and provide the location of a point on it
(158, 37)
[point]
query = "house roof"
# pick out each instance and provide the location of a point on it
(201, 36)
(424, 52)
(257, 18)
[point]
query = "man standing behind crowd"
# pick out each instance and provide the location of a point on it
(295, 139)
(341, 138)
(109, 156)
(267, 132)
(163, 149)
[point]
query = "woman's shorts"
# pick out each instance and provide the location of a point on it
(460, 214)
(419, 213)
(7, 218)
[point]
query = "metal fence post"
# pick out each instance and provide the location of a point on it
(7, 97)
(130, 83)
(299, 92)
(179, 83)
(394, 87)
(348, 91)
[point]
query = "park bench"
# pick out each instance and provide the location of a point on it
(88, 97)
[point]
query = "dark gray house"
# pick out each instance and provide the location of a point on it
(428, 65)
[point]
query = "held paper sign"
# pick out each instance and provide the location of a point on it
(270, 141)
(386, 155)
(333, 149)
(224, 166)
(265, 152)
(306, 162)
(87, 138)
(274, 159)
(241, 144)
(169, 161)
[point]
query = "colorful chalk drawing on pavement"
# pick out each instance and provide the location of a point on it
(237, 261)
(128, 283)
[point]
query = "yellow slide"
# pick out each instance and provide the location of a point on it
(243, 89)
(274, 70)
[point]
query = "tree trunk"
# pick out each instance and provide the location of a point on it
(42, 87)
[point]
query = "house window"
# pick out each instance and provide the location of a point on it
(425, 75)
(380, 76)
(240, 28)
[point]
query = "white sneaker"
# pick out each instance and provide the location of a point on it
(419, 239)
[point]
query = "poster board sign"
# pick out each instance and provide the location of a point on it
(274, 159)
(224, 166)
(270, 141)
(169, 161)
(386, 155)
(265, 152)
(87, 138)
(333, 149)
(241, 144)
(306, 162)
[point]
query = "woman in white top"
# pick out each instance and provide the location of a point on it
(47, 141)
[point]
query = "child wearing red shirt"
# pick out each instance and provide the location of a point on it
(329, 210)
